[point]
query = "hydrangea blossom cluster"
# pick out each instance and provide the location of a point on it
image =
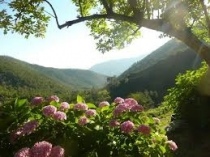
(57, 151)
(144, 129)
(127, 126)
(41, 149)
(172, 145)
(80, 107)
(83, 120)
(118, 100)
(120, 109)
(37, 101)
(51, 111)
(29, 127)
(59, 116)
(24, 152)
(64, 106)
(90, 113)
(103, 104)
(131, 101)
(26, 129)
(53, 98)
(127, 105)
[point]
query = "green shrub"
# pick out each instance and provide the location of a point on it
(120, 128)
(186, 100)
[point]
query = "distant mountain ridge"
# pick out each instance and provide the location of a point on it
(115, 67)
(172, 47)
(157, 71)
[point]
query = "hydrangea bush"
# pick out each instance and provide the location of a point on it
(46, 127)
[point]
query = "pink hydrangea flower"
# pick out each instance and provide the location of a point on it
(127, 127)
(172, 145)
(81, 107)
(49, 110)
(114, 123)
(103, 104)
(41, 149)
(26, 129)
(90, 113)
(118, 100)
(120, 109)
(37, 101)
(29, 127)
(64, 106)
(131, 102)
(83, 120)
(137, 108)
(24, 152)
(59, 116)
(144, 129)
(53, 98)
(16, 135)
(57, 151)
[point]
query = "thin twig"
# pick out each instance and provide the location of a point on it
(99, 16)
(49, 13)
(55, 15)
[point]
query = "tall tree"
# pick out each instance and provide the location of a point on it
(115, 23)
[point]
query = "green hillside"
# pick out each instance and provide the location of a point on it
(157, 71)
(74, 78)
(18, 78)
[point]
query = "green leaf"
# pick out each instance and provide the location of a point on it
(162, 149)
(90, 105)
(79, 99)
(54, 103)
(20, 102)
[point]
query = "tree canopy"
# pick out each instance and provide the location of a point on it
(115, 23)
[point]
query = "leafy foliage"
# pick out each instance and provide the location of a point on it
(113, 23)
(23, 16)
(187, 102)
(190, 123)
(111, 34)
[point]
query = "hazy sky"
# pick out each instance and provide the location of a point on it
(71, 47)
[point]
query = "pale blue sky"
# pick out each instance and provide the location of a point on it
(71, 47)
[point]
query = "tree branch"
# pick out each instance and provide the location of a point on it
(98, 16)
(107, 7)
(55, 15)
(80, 7)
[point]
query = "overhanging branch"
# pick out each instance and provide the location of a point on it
(98, 16)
